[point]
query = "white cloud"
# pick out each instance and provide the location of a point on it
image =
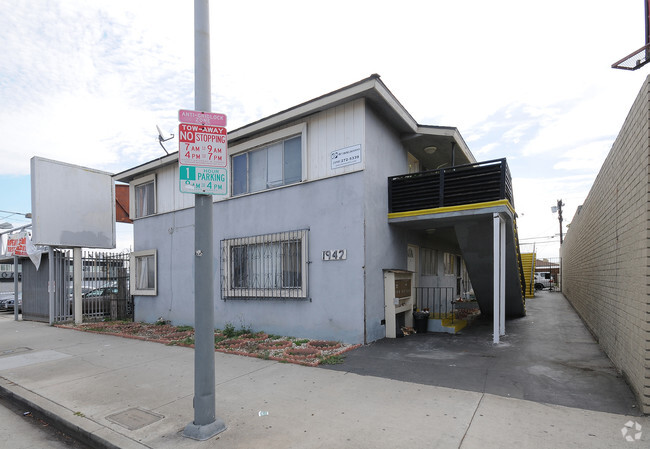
(86, 82)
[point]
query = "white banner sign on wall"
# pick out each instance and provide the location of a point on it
(345, 156)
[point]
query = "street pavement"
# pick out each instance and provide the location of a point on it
(126, 393)
(21, 429)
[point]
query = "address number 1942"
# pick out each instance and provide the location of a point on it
(335, 254)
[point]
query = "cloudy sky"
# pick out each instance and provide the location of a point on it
(86, 82)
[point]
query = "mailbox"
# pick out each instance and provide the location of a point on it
(398, 300)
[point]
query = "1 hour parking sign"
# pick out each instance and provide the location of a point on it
(205, 180)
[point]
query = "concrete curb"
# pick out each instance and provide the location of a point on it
(79, 427)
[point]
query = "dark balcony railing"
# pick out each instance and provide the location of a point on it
(454, 186)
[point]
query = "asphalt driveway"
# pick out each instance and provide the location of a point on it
(547, 356)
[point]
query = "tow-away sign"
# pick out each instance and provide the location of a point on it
(202, 145)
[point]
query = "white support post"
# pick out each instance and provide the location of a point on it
(76, 275)
(502, 279)
(498, 281)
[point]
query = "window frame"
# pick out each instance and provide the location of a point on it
(265, 142)
(449, 264)
(428, 262)
(230, 291)
(132, 195)
(133, 273)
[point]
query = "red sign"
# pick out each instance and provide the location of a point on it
(17, 245)
(206, 146)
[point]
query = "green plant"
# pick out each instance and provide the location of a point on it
(243, 327)
(229, 330)
(186, 341)
(275, 337)
(300, 342)
(79, 414)
(184, 328)
(265, 355)
(218, 338)
(336, 359)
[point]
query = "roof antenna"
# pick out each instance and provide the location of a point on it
(161, 139)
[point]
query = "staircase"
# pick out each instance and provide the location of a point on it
(475, 240)
(528, 265)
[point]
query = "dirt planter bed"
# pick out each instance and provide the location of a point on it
(251, 344)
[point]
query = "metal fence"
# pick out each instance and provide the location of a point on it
(553, 266)
(104, 287)
(439, 300)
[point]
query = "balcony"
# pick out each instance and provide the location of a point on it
(479, 182)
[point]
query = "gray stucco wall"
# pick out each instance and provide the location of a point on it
(385, 246)
(329, 208)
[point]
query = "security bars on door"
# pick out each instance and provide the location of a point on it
(270, 266)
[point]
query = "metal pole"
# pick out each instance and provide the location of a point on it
(205, 424)
(15, 287)
(496, 277)
(502, 277)
(51, 284)
(76, 287)
(559, 217)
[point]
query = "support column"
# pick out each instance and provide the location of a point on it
(499, 275)
(76, 276)
(502, 277)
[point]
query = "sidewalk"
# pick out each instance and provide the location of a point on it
(88, 380)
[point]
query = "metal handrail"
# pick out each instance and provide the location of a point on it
(462, 184)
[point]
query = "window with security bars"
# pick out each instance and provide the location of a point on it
(270, 266)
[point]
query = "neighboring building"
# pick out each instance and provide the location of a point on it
(605, 255)
(311, 224)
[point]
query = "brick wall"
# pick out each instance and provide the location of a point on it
(605, 254)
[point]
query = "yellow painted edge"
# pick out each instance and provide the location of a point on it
(462, 207)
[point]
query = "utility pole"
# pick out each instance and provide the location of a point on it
(205, 424)
(559, 217)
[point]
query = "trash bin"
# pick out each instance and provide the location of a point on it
(420, 322)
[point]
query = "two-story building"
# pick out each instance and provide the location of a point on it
(310, 222)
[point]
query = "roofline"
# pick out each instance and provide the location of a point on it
(360, 89)
(132, 173)
(370, 88)
(449, 131)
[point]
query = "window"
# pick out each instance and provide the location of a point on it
(144, 280)
(429, 267)
(143, 200)
(450, 263)
(271, 266)
(271, 166)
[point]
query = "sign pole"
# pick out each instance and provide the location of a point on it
(15, 287)
(205, 424)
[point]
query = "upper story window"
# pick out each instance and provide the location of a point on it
(274, 165)
(143, 200)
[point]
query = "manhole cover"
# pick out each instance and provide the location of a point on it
(134, 418)
(14, 351)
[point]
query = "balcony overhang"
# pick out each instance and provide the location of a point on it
(442, 217)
